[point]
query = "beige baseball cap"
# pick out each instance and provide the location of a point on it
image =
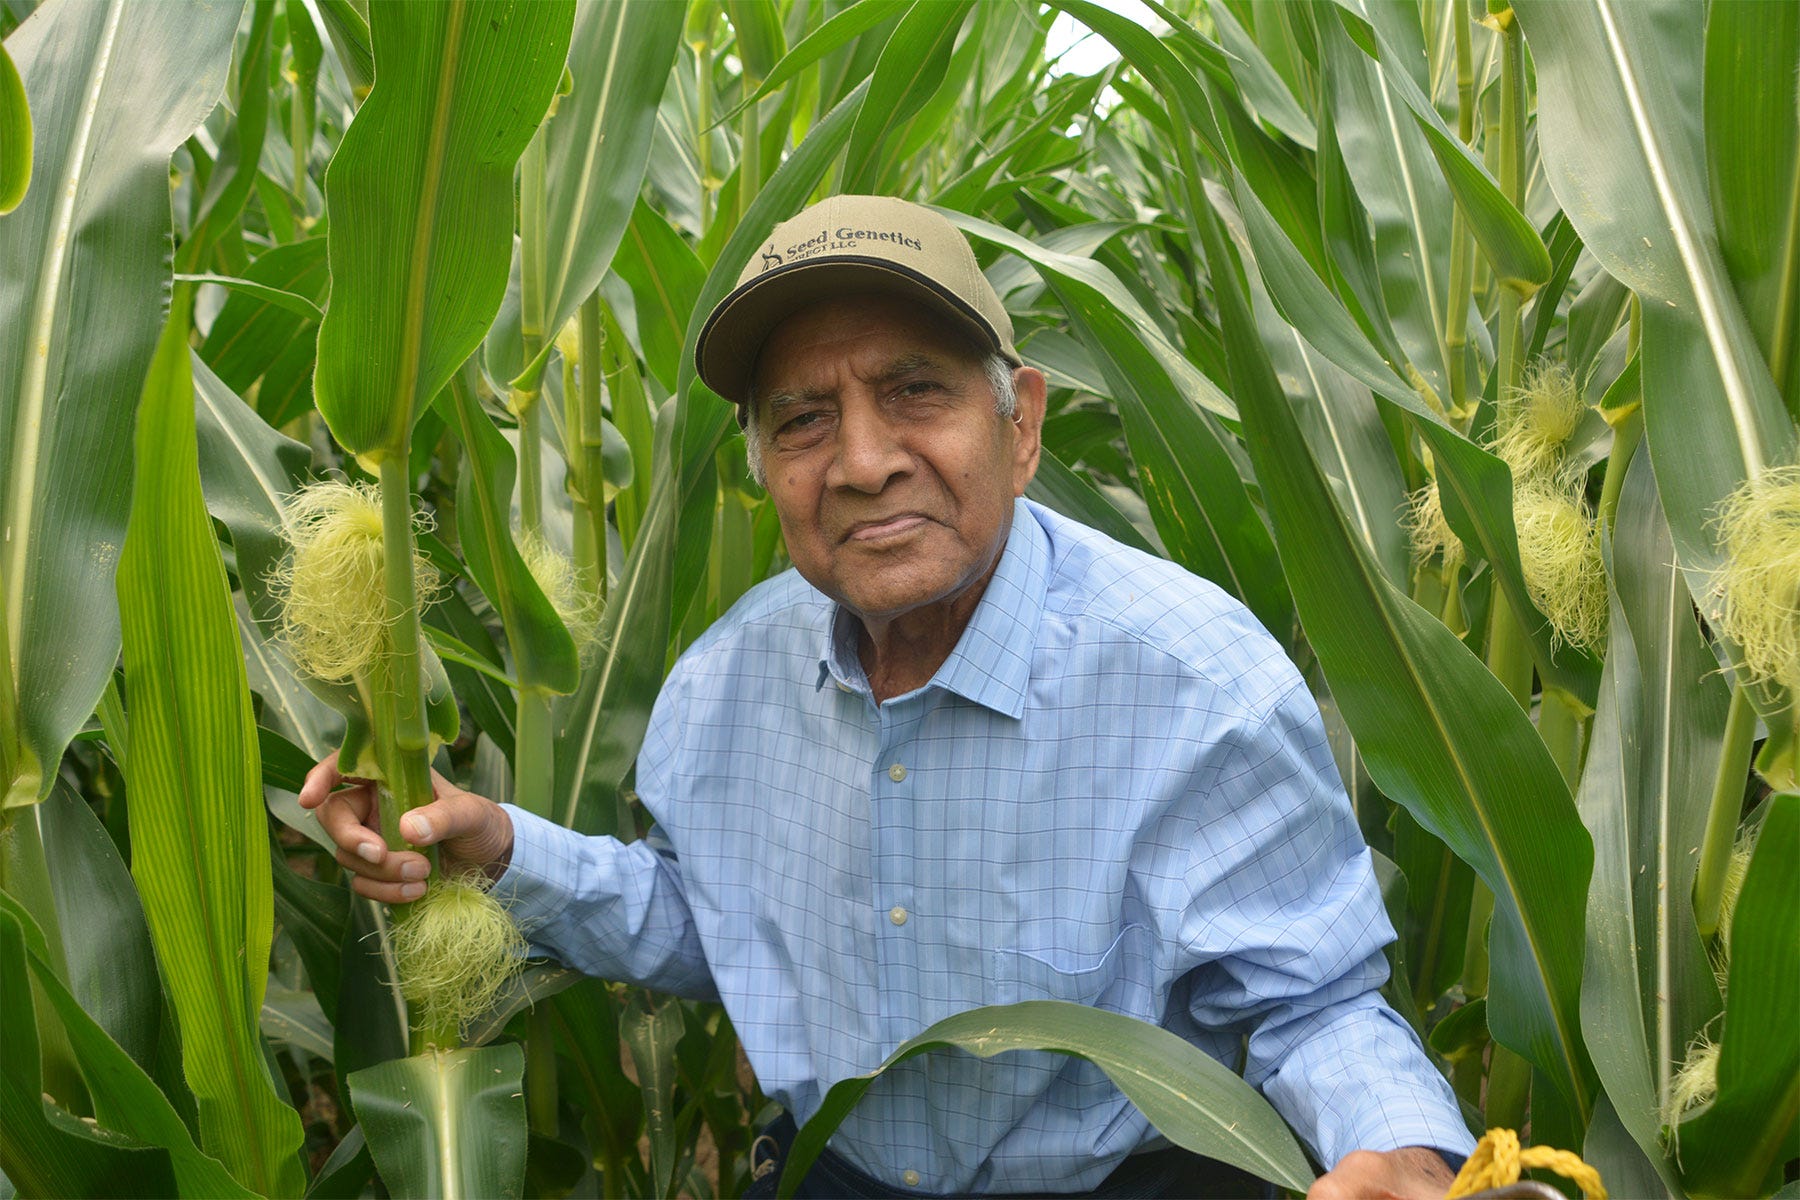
(839, 246)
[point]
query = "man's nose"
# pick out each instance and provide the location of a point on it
(869, 454)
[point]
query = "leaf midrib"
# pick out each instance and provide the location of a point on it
(31, 427)
(413, 326)
(1711, 318)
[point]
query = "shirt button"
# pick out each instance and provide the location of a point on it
(910, 1178)
(844, 687)
(897, 915)
(896, 772)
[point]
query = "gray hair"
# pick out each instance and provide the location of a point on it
(999, 374)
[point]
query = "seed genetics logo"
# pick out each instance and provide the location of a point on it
(836, 241)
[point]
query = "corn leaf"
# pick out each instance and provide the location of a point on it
(446, 1124)
(599, 146)
(913, 65)
(1477, 487)
(1398, 180)
(105, 943)
(420, 195)
(199, 841)
(44, 1150)
(1517, 253)
(1735, 1145)
(1752, 109)
(1619, 88)
(1439, 733)
(15, 135)
(254, 337)
(543, 651)
(113, 89)
(1647, 986)
(1193, 1100)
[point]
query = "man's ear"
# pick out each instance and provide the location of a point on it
(1028, 425)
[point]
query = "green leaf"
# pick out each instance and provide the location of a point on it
(15, 135)
(1752, 109)
(913, 66)
(1072, 496)
(652, 1027)
(446, 1124)
(1517, 253)
(1735, 1145)
(348, 28)
(114, 88)
(1618, 90)
(254, 337)
(105, 943)
(44, 1150)
(293, 302)
(420, 195)
(1476, 485)
(1200, 505)
(240, 149)
(543, 651)
(665, 278)
(198, 828)
(246, 470)
(599, 146)
(1193, 1100)
(1647, 985)
(1398, 180)
(1439, 733)
(760, 42)
(841, 29)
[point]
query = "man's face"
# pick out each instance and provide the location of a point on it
(892, 475)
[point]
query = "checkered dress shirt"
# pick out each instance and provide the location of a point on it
(1116, 791)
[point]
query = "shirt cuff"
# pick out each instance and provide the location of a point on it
(537, 884)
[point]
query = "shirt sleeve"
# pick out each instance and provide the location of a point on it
(1291, 951)
(607, 908)
(604, 907)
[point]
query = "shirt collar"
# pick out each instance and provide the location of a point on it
(991, 664)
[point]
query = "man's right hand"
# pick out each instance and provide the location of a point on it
(469, 831)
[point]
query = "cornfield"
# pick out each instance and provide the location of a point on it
(1457, 340)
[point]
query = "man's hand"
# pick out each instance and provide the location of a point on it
(1410, 1173)
(469, 831)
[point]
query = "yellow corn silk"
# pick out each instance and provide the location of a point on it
(334, 609)
(455, 949)
(1757, 588)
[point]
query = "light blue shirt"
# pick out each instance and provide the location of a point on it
(1115, 791)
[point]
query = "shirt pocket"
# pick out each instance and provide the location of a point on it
(1061, 972)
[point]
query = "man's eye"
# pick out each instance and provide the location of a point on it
(797, 423)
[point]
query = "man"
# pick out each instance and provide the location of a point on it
(968, 752)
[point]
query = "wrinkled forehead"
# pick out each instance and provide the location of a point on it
(878, 328)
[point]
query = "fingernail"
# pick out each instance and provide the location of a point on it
(417, 828)
(414, 870)
(412, 891)
(369, 851)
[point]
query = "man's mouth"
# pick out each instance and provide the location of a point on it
(885, 528)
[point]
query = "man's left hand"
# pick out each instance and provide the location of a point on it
(1410, 1173)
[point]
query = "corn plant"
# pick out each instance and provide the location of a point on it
(1457, 340)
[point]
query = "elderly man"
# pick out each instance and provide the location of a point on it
(967, 752)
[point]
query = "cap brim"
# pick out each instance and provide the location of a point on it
(725, 353)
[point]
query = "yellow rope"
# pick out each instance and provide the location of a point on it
(1498, 1159)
